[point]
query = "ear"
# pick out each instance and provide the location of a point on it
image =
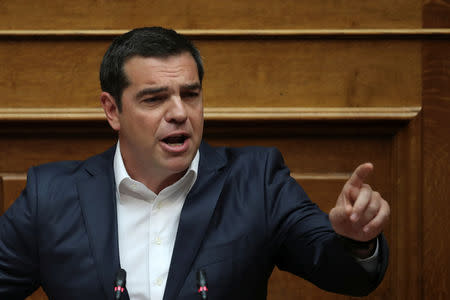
(111, 110)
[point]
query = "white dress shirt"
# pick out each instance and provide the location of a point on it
(147, 227)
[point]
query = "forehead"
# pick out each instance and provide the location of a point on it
(156, 70)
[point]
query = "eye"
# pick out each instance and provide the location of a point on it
(189, 94)
(153, 99)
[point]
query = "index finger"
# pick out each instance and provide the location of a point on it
(360, 175)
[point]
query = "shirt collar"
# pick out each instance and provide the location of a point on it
(120, 172)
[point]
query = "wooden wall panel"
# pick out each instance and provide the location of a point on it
(50, 73)
(21, 151)
(436, 164)
(436, 14)
(405, 221)
(336, 73)
(11, 186)
(436, 155)
(233, 14)
(311, 73)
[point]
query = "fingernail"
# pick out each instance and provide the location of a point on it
(354, 217)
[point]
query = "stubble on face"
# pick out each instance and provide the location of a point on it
(161, 123)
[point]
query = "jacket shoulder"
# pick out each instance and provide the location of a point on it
(73, 168)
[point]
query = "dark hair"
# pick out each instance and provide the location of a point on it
(146, 42)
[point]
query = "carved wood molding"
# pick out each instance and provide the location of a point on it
(321, 176)
(226, 114)
(241, 34)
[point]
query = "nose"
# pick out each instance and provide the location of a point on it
(176, 110)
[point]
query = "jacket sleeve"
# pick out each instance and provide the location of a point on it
(19, 268)
(305, 244)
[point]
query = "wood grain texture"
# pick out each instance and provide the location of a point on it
(180, 14)
(436, 14)
(405, 270)
(252, 34)
(226, 114)
(436, 157)
(436, 164)
(39, 294)
(306, 73)
(11, 186)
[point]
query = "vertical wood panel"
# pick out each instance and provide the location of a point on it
(11, 187)
(436, 154)
(405, 223)
(436, 175)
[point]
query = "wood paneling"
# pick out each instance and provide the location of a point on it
(11, 186)
(53, 74)
(336, 73)
(233, 14)
(274, 114)
(436, 14)
(405, 222)
(436, 154)
(436, 164)
(37, 146)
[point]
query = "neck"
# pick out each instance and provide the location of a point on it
(156, 179)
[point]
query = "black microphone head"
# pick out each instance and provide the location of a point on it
(121, 277)
(119, 284)
(202, 284)
(201, 278)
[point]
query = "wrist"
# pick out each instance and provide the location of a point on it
(357, 248)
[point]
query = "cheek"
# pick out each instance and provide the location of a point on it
(197, 117)
(197, 124)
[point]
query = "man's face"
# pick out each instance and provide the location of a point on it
(161, 123)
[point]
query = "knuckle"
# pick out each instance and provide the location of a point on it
(367, 186)
(387, 208)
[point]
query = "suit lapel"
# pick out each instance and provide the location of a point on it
(97, 197)
(195, 217)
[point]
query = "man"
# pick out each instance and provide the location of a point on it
(163, 205)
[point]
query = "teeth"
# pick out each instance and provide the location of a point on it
(175, 140)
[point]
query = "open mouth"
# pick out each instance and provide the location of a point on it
(176, 140)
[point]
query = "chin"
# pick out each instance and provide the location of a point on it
(178, 167)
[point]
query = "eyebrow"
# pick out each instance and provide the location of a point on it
(150, 91)
(155, 90)
(193, 86)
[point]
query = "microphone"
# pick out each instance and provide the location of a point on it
(119, 284)
(202, 284)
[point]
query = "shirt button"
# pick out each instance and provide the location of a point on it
(159, 281)
(157, 240)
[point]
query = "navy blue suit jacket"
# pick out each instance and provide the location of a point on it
(243, 216)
